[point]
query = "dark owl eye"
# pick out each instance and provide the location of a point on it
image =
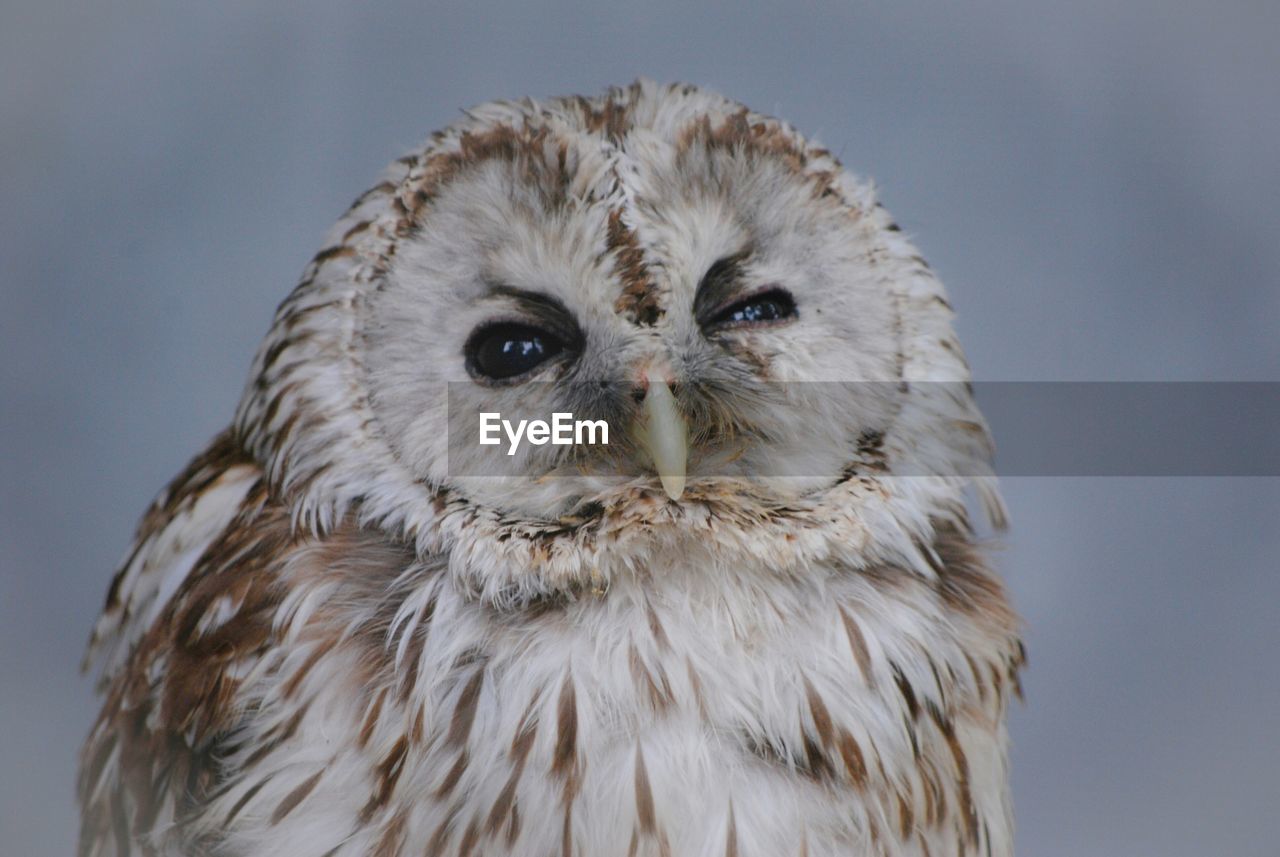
(759, 309)
(500, 351)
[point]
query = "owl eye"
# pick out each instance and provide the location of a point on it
(759, 309)
(507, 350)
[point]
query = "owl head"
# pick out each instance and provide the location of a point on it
(773, 359)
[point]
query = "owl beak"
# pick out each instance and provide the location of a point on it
(664, 435)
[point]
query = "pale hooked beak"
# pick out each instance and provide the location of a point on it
(663, 433)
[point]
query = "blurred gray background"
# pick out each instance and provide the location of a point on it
(1097, 182)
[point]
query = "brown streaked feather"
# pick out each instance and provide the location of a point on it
(965, 582)
(855, 764)
(295, 797)
(644, 796)
(640, 300)
(740, 134)
(454, 774)
(858, 645)
(528, 147)
(386, 775)
(657, 690)
(464, 712)
(470, 836)
(818, 711)
(566, 730)
(391, 840)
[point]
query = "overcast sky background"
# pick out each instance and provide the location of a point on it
(1098, 183)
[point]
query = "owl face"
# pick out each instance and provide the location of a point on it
(686, 281)
(739, 310)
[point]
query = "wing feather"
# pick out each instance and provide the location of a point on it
(187, 516)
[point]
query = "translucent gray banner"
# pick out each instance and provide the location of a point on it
(813, 429)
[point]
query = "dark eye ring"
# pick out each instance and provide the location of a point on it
(507, 350)
(758, 310)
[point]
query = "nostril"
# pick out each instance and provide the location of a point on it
(639, 391)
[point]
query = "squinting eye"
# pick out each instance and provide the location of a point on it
(501, 351)
(773, 305)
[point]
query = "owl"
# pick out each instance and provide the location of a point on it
(756, 623)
